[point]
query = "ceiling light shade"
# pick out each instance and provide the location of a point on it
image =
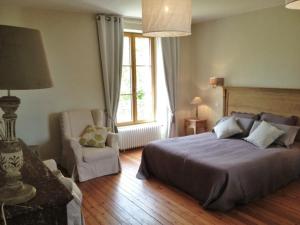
(167, 18)
(292, 4)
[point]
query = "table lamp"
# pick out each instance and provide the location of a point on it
(196, 101)
(23, 66)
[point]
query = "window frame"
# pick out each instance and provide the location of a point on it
(133, 66)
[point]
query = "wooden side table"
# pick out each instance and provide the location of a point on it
(198, 126)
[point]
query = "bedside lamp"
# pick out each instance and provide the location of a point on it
(216, 81)
(23, 66)
(196, 101)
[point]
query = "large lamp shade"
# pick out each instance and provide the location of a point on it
(167, 18)
(292, 4)
(23, 63)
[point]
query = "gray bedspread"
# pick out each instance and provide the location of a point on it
(220, 173)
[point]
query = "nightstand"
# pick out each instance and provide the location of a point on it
(198, 126)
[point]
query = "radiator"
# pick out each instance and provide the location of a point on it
(138, 135)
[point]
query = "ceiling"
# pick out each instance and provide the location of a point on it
(202, 9)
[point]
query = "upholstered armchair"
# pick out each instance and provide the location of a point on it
(86, 162)
(75, 216)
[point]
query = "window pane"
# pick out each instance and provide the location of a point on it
(144, 93)
(125, 109)
(143, 51)
(126, 51)
(126, 80)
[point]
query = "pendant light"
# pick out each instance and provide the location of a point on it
(292, 4)
(167, 18)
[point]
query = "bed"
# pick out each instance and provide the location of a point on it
(221, 174)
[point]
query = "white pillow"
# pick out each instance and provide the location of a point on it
(227, 128)
(264, 135)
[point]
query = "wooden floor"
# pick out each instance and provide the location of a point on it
(123, 199)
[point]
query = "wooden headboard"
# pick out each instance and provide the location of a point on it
(279, 101)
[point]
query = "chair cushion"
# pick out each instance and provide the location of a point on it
(94, 136)
(95, 154)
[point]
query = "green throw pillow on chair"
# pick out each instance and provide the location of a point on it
(94, 136)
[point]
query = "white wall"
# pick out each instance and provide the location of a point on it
(254, 49)
(71, 45)
(185, 93)
(257, 49)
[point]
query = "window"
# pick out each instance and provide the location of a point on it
(137, 97)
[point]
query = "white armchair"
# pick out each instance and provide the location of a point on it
(75, 216)
(87, 162)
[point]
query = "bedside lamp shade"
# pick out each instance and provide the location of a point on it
(23, 63)
(196, 101)
(292, 4)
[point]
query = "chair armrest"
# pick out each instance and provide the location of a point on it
(113, 141)
(77, 149)
(51, 164)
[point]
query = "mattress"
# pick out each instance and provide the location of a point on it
(220, 174)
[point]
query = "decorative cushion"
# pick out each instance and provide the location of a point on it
(286, 139)
(254, 126)
(94, 136)
(227, 128)
(269, 117)
(245, 115)
(264, 135)
(289, 137)
(244, 123)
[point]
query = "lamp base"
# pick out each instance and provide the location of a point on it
(11, 157)
(197, 113)
(12, 196)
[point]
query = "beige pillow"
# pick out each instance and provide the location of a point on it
(264, 135)
(94, 136)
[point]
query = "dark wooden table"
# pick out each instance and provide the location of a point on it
(48, 207)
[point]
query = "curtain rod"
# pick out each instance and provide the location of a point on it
(109, 17)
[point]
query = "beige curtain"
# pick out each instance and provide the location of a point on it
(110, 36)
(171, 58)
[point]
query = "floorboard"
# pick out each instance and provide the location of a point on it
(123, 199)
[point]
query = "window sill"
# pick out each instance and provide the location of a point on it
(135, 124)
